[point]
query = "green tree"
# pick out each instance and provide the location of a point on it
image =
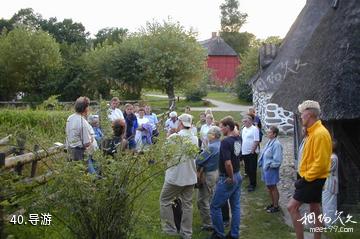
(67, 31)
(172, 56)
(239, 41)
(28, 61)
(95, 76)
(5, 25)
(250, 66)
(231, 22)
(231, 18)
(26, 17)
(111, 35)
(273, 40)
(128, 69)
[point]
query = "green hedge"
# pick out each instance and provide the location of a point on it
(40, 125)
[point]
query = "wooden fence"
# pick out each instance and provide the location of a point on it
(17, 163)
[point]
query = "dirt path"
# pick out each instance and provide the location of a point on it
(219, 105)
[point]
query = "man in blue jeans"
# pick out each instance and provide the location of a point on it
(229, 183)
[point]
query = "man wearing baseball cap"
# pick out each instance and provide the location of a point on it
(314, 167)
(179, 181)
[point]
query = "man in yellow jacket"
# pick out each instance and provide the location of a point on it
(314, 167)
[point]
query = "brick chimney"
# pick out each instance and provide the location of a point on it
(213, 34)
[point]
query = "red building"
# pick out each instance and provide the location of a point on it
(222, 59)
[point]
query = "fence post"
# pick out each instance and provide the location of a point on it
(2, 160)
(34, 163)
(2, 164)
(20, 140)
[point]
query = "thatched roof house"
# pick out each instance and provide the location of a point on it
(292, 46)
(332, 77)
(222, 59)
(277, 63)
(332, 72)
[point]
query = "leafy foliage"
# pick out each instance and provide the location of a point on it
(239, 41)
(84, 205)
(127, 68)
(250, 66)
(231, 18)
(172, 56)
(195, 92)
(110, 36)
(28, 60)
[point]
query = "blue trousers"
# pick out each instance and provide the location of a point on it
(223, 192)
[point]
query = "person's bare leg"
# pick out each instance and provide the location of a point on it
(293, 208)
(270, 194)
(315, 207)
(275, 194)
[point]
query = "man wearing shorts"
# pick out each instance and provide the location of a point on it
(314, 167)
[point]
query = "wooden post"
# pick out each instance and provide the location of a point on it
(2, 164)
(21, 148)
(2, 224)
(34, 163)
(2, 160)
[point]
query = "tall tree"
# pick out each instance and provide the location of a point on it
(173, 57)
(239, 41)
(128, 68)
(27, 18)
(231, 17)
(231, 22)
(111, 35)
(28, 60)
(67, 31)
(250, 66)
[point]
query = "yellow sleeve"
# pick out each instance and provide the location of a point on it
(320, 166)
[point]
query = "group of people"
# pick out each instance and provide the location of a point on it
(216, 170)
(134, 129)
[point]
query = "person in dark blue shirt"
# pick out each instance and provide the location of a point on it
(131, 125)
(228, 186)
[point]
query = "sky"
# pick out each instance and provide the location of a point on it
(265, 17)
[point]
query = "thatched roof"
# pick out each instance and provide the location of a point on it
(332, 73)
(292, 46)
(216, 46)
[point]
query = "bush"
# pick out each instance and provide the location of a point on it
(40, 126)
(82, 205)
(243, 90)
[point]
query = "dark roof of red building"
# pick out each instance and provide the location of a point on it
(216, 46)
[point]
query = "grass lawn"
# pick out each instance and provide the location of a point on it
(226, 97)
(255, 222)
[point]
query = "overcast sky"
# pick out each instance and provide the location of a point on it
(266, 17)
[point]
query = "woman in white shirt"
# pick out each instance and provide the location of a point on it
(140, 130)
(204, 130)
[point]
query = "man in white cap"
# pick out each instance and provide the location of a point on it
(314, 168)
(172, 123)
(180, 178)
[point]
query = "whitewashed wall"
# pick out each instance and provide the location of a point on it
(273, 114)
